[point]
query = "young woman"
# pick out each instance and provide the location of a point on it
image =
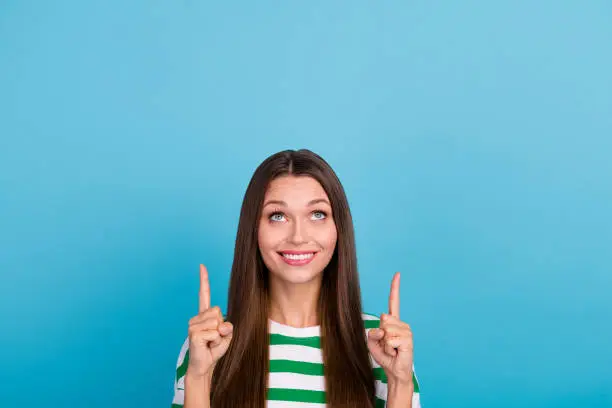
(295, 334)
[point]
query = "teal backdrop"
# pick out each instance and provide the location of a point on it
(474, 140)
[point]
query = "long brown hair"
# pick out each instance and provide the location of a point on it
(240, 377)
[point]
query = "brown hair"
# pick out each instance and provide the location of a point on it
(240, 376)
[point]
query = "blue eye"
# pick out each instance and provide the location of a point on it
(277, 217)
(319, 215)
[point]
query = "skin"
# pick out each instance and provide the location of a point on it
(391, 345)
(296, 216)
(209, 339)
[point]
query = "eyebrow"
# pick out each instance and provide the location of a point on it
(311, 202)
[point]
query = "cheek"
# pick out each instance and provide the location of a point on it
(328, 237)
(268, 238)
(263, 238)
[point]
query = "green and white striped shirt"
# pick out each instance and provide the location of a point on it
(296, 369)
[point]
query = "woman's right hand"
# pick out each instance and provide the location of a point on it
(209, 335)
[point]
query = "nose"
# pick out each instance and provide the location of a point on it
(298, 234)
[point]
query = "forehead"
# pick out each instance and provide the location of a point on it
(295, 190)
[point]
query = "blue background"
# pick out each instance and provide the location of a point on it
(473, 138)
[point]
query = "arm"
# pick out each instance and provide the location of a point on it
(391, 346)
(209, 338)
(400, 395)
(197, 390)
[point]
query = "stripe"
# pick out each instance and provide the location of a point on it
(294, 404)
(279, 339)
(283, 394)
(180, 384)
(296, 371)
(379, 374)
(276, 327)
(382, 390)
(416, 400)
(373, 362)
(297, 367)
(182, 369)
(371, 324)
(296, 381)
(181, 364)
(296, 353)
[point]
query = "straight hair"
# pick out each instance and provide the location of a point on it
(240, 376)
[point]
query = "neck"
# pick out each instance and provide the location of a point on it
(295, 305)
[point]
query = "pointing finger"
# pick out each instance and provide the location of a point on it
(394, 297)
(204, 290)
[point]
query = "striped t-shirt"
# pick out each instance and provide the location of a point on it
(296, 369)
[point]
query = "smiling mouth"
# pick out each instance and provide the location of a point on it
(297, 258)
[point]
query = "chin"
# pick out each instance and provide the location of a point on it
(297, 275)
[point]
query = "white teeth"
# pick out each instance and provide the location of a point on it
(300, 257)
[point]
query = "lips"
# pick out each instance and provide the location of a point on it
(297, 258)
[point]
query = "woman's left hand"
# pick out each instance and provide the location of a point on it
(391, 344)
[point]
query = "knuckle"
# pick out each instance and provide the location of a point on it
(213, 312)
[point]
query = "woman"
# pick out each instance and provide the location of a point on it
(295, 334)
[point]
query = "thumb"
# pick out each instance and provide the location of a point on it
(376, 347)
(227, 331)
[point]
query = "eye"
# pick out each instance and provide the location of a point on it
(319, 215)
(277, 216)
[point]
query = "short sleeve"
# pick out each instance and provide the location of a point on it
(178, 399)
(416, 396)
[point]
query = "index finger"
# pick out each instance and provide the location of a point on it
(394, 297)
(204, 290)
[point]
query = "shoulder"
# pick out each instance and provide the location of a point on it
(179, 378)
(182, 360)
(184, 350)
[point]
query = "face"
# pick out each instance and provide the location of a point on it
(297, 234)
